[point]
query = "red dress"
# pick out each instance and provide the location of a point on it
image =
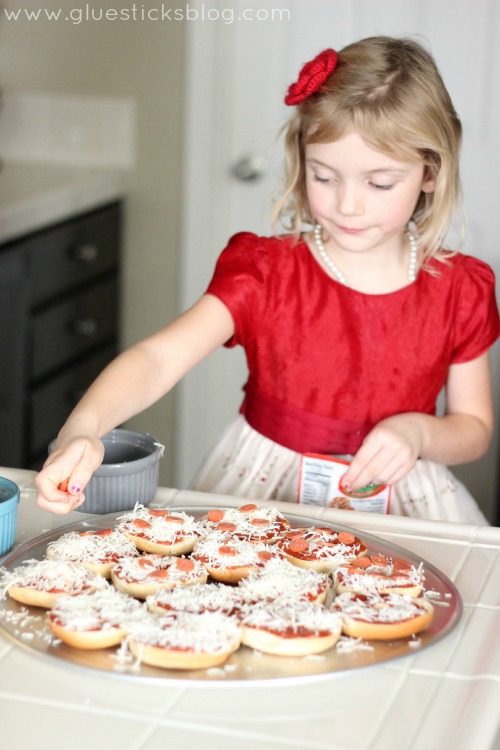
(326, 362)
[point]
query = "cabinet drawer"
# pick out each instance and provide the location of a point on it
(51, 403)
(71, 328)
(69, 255)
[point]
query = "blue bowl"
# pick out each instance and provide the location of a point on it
(9, 504)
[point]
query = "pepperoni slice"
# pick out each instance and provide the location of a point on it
(63, 486)
(248, 508)
(226, 550)
(215, 515)
(174, 519)
(158, 512)
(226, 526)
(184, 564)
(361, 562)
(259, 522)
(141, 523)
(298, 544)
(144, 562)
(380, 560)
(353, 570)
(345, 537)
(264, 555)
(160, 574)
(294, 533)
(97, 532)
(400, 564)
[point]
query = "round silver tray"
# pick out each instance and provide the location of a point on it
(33, 633)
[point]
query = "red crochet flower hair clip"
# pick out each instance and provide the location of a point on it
(312, 76)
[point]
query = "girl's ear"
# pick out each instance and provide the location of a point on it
(429, 184)
(429, 181)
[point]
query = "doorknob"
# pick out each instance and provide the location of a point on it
(249, 168)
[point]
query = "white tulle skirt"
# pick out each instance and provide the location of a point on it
(245, 464)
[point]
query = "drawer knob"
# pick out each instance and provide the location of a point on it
(85, 327)
(86, 253)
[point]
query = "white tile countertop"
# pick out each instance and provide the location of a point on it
(35, 196)
(445, 696)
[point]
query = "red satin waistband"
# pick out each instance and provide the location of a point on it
(300, 430)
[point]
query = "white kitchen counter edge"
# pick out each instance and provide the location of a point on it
(36, 196)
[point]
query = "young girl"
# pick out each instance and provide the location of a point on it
(352, 324)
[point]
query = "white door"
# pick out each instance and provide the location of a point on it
(240, 63)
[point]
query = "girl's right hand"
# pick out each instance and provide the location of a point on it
(66, 473)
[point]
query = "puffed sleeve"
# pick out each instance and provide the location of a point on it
(240, 282)
(477, 324)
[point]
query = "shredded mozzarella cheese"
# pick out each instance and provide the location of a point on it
(245, 553)
(379, 608)
(99, 610)
(199, 598)
(376, 578)
(49, 575)
(90, 548)
(210, 632)
(289, 615)
(280, 577)
(131, 570)
(160, 529)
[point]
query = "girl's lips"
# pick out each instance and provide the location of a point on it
(348, 230)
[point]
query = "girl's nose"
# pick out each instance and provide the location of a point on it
(350, 200)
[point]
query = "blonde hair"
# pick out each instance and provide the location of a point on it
(390, 91)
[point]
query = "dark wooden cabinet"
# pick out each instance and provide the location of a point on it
(13, 332)
(59, 306)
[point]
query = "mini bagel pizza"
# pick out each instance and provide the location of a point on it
(248, 522)
(93, 620)
(160, 530)
(216, 597)
(182, 640)
(382, 616)
(379, 574)
(141, 576)
(320, 548)
(97, 550)
(290, 627)
(229, 560)
(280, 578)
(40, 582)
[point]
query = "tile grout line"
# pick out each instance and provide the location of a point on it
(383, 717)
(163, 721)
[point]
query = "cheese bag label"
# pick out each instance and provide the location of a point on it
(320, 484)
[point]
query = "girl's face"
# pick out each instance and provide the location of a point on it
(362, 198)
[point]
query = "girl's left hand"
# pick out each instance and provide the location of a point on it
(387, 454)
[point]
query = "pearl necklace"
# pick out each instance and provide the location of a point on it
(412, 265)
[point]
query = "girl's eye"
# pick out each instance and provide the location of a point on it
(323, 180)
(381, 187)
